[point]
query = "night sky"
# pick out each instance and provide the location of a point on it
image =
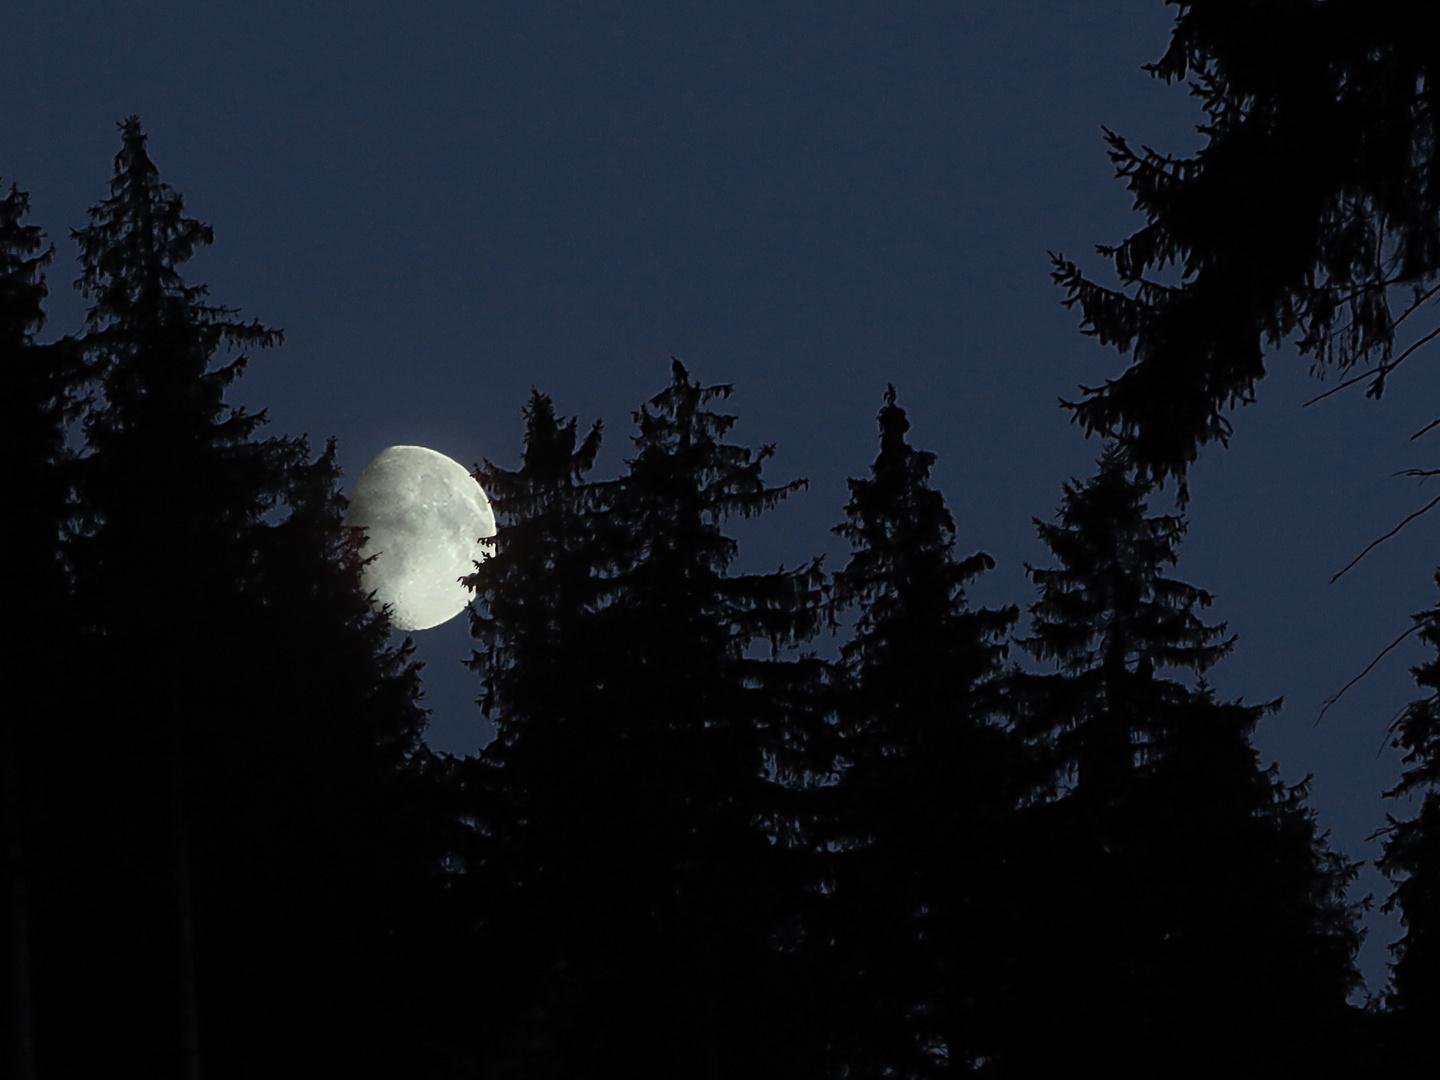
(444, 204)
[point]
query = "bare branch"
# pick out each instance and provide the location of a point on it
(1423, 430)
(1333, 698)
(1387, 536)
(1378, 372)
(1381, 370)
(1415, 305)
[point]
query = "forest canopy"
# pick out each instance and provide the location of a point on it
(829, 821)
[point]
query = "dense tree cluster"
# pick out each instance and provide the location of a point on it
(1311, 213)
(222, 831)
(703, 843)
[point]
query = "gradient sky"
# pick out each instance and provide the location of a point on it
(446, 202)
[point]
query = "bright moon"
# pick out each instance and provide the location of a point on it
(424, 517)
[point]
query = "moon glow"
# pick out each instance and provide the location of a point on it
(425, 517)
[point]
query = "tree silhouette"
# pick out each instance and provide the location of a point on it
(542, 661)
(930, 784)
(642, 803)
(323, 822)
(39, 391)
(174, 487)
(1187, 919)
(1309, 211)
(244, 794)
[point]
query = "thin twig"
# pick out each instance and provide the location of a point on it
(1380, 372)
(1387, 536)
(1333, 698)
(1410, 349)
(1415, 305)
(1423, 430)
(1369, 287)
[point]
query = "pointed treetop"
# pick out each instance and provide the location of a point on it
(550, 449)
(903, 571)
(130, 253)
(1110, 597)
(22, 281)
(677, 434)
(897, 500)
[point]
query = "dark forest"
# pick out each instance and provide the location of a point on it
(828, 821)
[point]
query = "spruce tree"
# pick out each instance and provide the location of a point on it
(322, 824)
(541, 657)
(704, 724)
(1187, 919)
(173, 486)
(39, 392)
(641, 806)
(253, 837)
(931, 781)
(1308, 214)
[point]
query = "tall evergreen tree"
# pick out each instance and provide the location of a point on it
(39, 389)
(541, 660)
(322, 823)
(704, 722)
(932, 779)
(664, 891)
(175, 485)
(1187, 919)
(249, 831)
(1309, 213)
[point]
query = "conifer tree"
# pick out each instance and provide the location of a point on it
(663, 890)
(704, 723)
(324, 822)
(1188, 921)
(174, 486)
(541, 657)
(931, 782)
(245, 791)
(39, 390)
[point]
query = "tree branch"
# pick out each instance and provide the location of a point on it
(1379, 372)
(1387, 536)
(1333, 698)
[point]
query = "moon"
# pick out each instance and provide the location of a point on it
(425, 517)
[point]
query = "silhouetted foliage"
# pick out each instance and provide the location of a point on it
(252, 826)
(39, 394)
(930, 783)
(1412, 858)
(693, 848)
(643, 830)
(542, 661)
(1310, 210)
(1309, 214)
(1187, 920)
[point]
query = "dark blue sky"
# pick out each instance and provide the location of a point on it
(446, 203)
